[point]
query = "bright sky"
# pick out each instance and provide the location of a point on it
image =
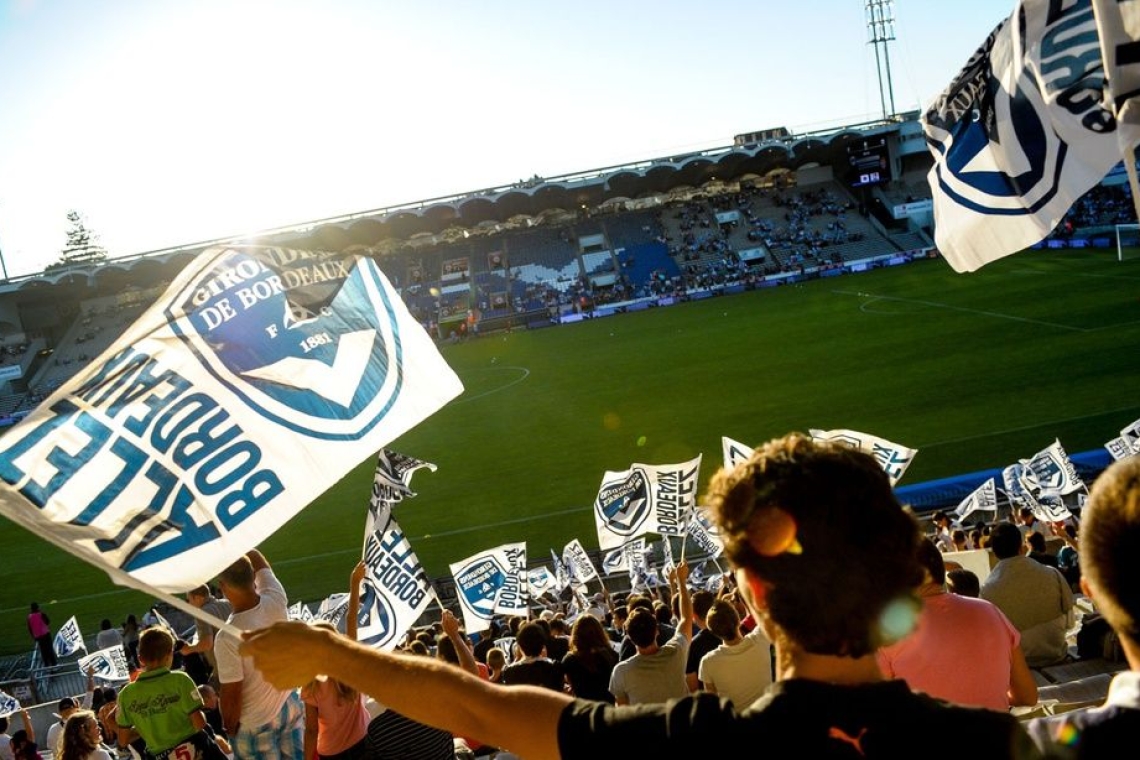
(172, 121)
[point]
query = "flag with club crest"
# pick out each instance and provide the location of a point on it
(1020, 134)
(491, 582)
(1050, 472)
(734, 452)
(300, 611)
(109, 664)
(1118, 24)
(68, 639)
(8, 704)
(983, 498)
(395, 590)
(579, 564)
(624, 557)
(893, 458)
(259, 379)
(645, 499)
(539, 581)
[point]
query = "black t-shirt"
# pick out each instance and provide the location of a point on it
(798, 718)
(540, 672)
(591, 683)
(704, 642)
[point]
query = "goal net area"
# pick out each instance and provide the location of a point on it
(1127, 242)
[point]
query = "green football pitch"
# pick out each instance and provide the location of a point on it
(974, 371)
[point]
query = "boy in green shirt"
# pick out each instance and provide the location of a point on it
(163, 706)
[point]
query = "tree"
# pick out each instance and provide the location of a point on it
(82, 245)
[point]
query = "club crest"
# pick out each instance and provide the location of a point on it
(307, 339)
(624, 504)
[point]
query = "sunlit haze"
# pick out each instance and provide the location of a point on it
(167, 122)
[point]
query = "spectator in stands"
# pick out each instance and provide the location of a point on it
(955, 630)
(534, 668)
(963, 582)
(1038, 550)
(24, 744)
(262, 721)
(557, 639)
(1027, 521)
(82, 738)
(656, 672)
(1036, 599)
(823, 550)
(6, 740)
(39, 627)
(1110, 537)
(959, 540)
(942, 536)
(203, 643)
(67, 708)
(131, 641)
(496, 660)
(591, 660)
(108, 635)
(740, 668)
(704, 640)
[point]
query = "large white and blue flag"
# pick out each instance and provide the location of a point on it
(645, 499)
(68, 639)
(259, 379)
(396, 589)
(1020, 134)
(489, 583)
(109, 664)
(892, 457)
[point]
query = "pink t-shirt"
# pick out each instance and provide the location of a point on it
(961, 651)
(341, 724)
(37, 625)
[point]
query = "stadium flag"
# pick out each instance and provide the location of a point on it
(162, 622)
(1119, 448)
(1131, 434)
(396, 589)
(539, 580)
(259, 379)
(300, 611)
(332, 608)
(1118, 25)
(110, 664)
(1015, 490)
(390, 485)
(983, 498)
(8, 704)
(577, 560)
(489, 583)
(667, 562)
(561, 575)
(734, 452)
(645, 499)
(893, 458)
(704, 533)
(1020, 134)
(68, 639)
(1050, 472)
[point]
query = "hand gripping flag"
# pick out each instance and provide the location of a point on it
(259, 379)
(68, 639)
(396, 589)
(489, 583)
(645, 499)
(110, 664)
(1020, 134)
(983, 498)
(893, 458)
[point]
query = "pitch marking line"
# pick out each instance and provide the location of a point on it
(525, 374)
(936, 304)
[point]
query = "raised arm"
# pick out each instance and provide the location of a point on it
(353, 612)
(450, 625)
(426, 690)
(258, 560)
(685, 606)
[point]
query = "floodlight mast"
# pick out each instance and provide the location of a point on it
(881, 30)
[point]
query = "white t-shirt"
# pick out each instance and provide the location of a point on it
(741, 672)
(260, 702)
(6, 747)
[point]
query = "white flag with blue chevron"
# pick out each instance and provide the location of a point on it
(109, 664)
(8, 704)
(68, 639)
(1020, 134)
(646, 498)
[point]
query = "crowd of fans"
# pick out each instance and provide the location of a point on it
(836, 588)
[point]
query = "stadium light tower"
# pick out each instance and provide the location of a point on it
(881, 30)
